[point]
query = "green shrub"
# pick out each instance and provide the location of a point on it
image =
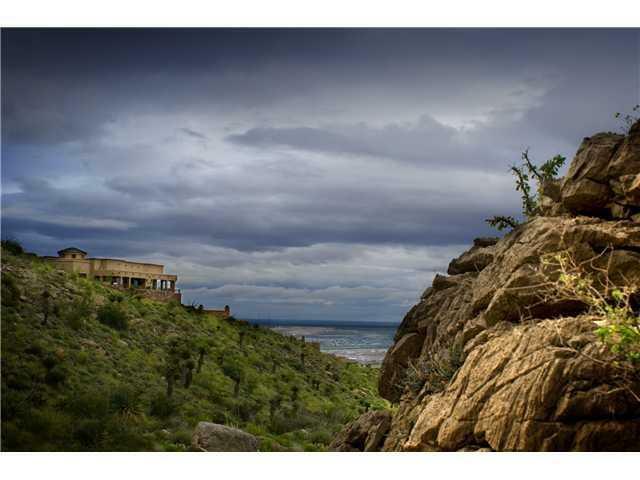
(181, 436)
(88, 404)
(77, 312)
(50, 360)
(247, 409)
(526, 172)
(322, 436)
(618, 323)
(162, 406)
(628, 119)
(12, 246)
(125, 400)
(113, 316)
(56, 376)
(10, 290)
(52, 428)
(121, 435)
(89, 433)
(434, 372)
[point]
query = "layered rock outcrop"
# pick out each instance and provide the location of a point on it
(491, 359)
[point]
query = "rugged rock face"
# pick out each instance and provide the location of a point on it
(366, 434)
(212, 437)
(506, 364)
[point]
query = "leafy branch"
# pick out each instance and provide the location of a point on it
(629, 118)
(524, 174)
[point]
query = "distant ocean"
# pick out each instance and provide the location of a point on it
(363, 343)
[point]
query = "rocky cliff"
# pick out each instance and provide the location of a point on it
(493, 357)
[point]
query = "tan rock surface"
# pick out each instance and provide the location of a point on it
(533, 375)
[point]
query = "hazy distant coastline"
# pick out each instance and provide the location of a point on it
(362, 342)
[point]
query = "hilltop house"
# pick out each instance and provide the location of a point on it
(147, 277)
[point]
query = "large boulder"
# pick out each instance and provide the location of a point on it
(213, 437)
(602, 178)
(365, 434)
(543, 387)
(627, 158)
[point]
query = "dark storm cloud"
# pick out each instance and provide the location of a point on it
(427, 139)
(314, 173)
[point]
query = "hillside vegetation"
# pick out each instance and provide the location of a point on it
(85, 367)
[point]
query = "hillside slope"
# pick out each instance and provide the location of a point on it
(503, 354)
(85, 367)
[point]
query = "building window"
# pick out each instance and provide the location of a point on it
(73, 256)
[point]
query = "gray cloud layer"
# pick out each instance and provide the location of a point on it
(304, 174)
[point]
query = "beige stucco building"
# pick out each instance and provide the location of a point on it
(149, 277)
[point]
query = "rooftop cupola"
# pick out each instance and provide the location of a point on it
(72, 252)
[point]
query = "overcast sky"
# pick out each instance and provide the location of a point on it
(303, 174)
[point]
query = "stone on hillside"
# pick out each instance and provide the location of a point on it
(585, 189)
(550, 197)
(631, 188)
(365, 434)
(593, 157)
(586, 196)
(627, 158)
(473, 260)
(213, 437)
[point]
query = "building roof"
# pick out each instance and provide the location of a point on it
(71, 250)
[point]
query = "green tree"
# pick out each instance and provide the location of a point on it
(234, 369)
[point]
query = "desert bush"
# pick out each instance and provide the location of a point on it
(247, 409)
(124, 436)
(289, 421)
(321, 436)
(89, 433)
(524, 174)
(124, 400)
(56, 376)
(10, 290)
(434, 372)
(162, 407)
(50, 360)
(235, 370)
(53, 429)
(113, 316)
(628, 119)
(12, 246)
(88, 404)
(618, 323)
(77, 312)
